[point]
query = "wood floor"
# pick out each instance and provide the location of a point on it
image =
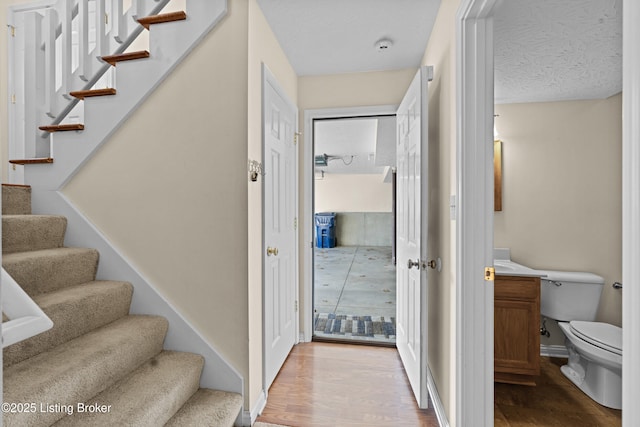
(327, 384)
(554, 401)
(331, 384)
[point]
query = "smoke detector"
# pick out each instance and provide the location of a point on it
(383, 45)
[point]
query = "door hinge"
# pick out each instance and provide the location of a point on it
(13, 31)
(13, 98)
(295, 137)
(295, 223)
(489, 273)
(296, 306)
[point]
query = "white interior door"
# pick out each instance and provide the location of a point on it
(412, 208)
(280, 213)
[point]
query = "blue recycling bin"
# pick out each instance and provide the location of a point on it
(326, 229)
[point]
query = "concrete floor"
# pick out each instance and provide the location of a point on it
(355, 280)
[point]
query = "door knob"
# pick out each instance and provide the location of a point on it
(272, 251)
(411, 263)
(432, 264)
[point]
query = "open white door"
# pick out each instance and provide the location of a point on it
(412, 208)
(280, 235)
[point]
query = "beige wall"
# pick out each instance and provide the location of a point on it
(440, 54)
(263, 48)
(352, 193)
(562, 194)
(169, 189)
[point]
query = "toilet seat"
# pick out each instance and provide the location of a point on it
(604, 335)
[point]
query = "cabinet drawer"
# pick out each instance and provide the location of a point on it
(518, 288)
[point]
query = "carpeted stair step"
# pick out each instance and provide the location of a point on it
(22, 233)
(208, 408)
(149, 396)
(74, 311)
(16, 199)
(50, 269)
(81, 368)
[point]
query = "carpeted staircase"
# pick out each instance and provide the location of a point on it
(98, 365)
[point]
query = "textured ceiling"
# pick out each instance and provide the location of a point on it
(339, 36)
(554, 50)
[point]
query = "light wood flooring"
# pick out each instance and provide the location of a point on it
(331, 384)
(327, 384)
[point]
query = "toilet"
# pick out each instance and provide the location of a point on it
(595, 348)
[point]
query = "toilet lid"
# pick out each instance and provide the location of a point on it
(603, 335)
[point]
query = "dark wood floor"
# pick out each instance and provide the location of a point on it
(554, 401)
(328, 384)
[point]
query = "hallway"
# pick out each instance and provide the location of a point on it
(334, 385)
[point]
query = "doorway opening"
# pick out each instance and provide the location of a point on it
(354, 275)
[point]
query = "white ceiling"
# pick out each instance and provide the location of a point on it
(545, 50)
(339, 36)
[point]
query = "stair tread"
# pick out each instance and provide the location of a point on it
(74, 310)
(148, 396)
(162, 18)
(208, 408)
(82, 94)
(129, 56)
(62, 128)
(81, 368)
(21, 233)
(33, 161)
(47, 270)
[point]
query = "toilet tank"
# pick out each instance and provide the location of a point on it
(567, 295)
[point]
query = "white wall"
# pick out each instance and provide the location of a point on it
(352, 193)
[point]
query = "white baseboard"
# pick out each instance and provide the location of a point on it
(249, 417)
(438, 407)
(554, 351)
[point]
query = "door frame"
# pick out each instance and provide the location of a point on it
(474, 304)
(307, 208)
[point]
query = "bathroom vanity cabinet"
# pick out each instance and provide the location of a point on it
(517, 329)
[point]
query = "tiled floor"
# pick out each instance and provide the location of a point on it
(355, 281)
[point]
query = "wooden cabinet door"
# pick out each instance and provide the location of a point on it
(517, 329)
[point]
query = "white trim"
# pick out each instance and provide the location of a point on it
(247, 418)
(474, 228)
(307, 210)
(559, 351)
(438, 407)
(26, 318)
(630, 212)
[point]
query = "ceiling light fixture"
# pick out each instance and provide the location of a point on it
(383, 45)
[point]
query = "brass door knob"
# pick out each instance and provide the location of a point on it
(272, 251)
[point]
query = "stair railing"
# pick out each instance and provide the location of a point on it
(59, 45)
(26, 319)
